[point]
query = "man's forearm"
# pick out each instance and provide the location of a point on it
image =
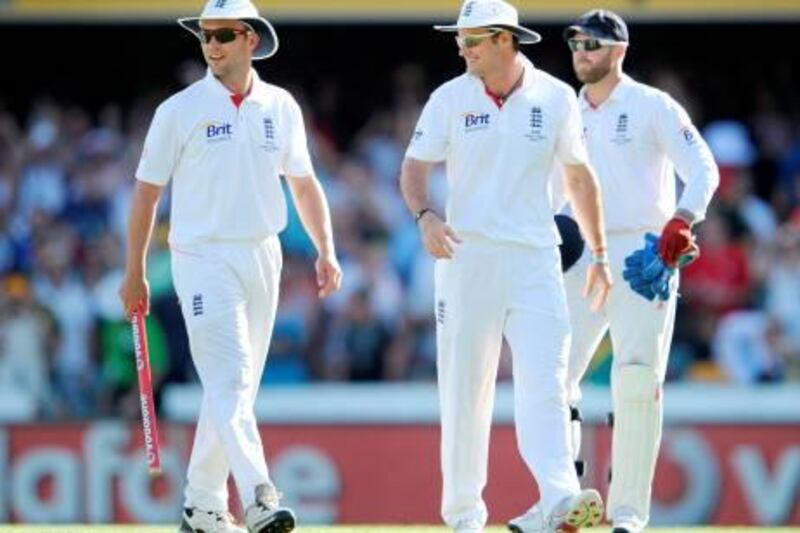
(140, 226)
(414, 184)
(586, 200)
(312, 206)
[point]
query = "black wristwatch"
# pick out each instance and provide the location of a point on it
(421, 213)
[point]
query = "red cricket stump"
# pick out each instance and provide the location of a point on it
(149, 426)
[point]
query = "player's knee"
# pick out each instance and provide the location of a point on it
(553, 393)
(226, 382)
(636, 383)
(573, 387)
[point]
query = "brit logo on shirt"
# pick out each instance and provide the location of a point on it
(621, 131)
(476, 121)
(269, 135)
(535, 125)
(218, 131)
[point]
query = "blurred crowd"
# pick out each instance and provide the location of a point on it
(66, 178)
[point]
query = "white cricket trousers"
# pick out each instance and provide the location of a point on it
(641, 335)
(228, 293)
(489, 290)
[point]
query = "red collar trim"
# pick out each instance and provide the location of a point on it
(498, 100)
(237, 99)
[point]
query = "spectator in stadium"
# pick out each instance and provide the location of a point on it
(28, 338)
(58, 286)
(750, 347)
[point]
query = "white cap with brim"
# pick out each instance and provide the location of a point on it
(242, 10)
(492, 14)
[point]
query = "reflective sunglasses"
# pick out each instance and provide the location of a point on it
(474, 39)
(588, 45)
(222, 35)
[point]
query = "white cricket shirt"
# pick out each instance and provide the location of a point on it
(637, 139)
(498, 160)
(225, 163)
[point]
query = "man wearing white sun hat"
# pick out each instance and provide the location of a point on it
(224, 142)
(500, 128)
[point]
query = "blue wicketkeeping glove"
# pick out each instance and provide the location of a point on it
(646, 272)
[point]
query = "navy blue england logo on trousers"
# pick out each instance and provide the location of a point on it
(197, 305)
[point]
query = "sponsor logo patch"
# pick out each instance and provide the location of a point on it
(476, 121)
(218, 131)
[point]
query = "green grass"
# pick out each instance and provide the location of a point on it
(365, 529)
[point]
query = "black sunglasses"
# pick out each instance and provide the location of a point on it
(587, 45)
(222, 35)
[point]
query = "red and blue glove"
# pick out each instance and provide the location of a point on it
(676, 240)
(648, 274)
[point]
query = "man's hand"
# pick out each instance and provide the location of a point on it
(135, 294)
(439, 238)
(329, 275)
(598, 283)
(676, 240)
(649, 274)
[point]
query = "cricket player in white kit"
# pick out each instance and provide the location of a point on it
(500, 128)
(638, 137)
(224, 142)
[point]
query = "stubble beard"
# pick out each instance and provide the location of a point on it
(594, 72)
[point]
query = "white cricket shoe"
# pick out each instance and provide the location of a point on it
(585, 509)
(531, 522)
(469, 525)
(195, 520)
(266, 515)
(627, 526)
(625, 520)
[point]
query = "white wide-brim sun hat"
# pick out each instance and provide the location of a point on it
(492, 14)
(242, 10)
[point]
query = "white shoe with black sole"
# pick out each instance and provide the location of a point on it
(266, 515)
(531, 522)
(196, 520)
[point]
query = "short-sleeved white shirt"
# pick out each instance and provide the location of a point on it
(225, 163)
(637, 139)
(498, 160)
